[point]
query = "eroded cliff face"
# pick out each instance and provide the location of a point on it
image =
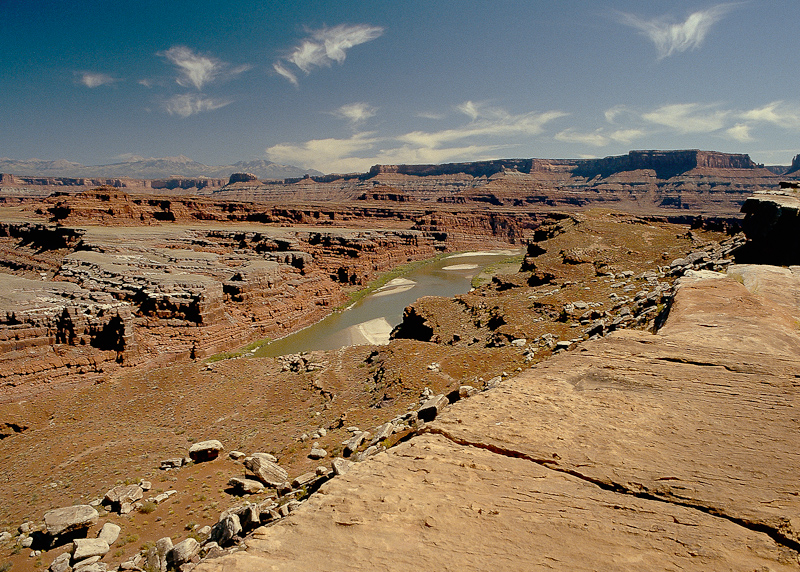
(650, 181)
(645, 181)
(142, 279)
(44, 186)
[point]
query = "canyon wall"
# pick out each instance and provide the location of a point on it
(115, 280)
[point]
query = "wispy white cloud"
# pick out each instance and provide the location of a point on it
(471, 141)
(323, 47)
(191, 104)
(694, 118)
(332, 154)
(740, 132)
(92, 79)
(502, 124)
(596, 138)
(627, 136)
(430, 115)
(599, 137)
(670, 37)
(778, 113)
(285, 73)
(687, 118)
(198, 70)
(356, 112)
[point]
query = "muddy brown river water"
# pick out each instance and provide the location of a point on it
(370, 321)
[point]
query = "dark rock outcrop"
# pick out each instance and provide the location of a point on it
(772, 225)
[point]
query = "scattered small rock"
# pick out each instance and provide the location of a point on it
(317, 453)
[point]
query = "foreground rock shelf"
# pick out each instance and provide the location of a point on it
(637, 451)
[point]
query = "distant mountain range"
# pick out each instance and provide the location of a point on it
(152, 168)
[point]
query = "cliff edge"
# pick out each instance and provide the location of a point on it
(674, 450)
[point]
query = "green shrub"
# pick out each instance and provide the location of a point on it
(147, 507)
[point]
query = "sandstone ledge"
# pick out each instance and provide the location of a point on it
(638, 451)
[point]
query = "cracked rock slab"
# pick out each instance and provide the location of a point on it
(456, 507)
(704, 413)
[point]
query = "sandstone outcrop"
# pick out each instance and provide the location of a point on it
(674, 449)
(772, 225)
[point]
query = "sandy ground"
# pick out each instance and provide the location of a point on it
(485, 253)
(460, 267)
(374, 332)
(395, 286)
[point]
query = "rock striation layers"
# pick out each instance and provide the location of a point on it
(638, 450)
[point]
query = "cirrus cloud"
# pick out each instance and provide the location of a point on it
(191, 104)
(469, 142)
(93, 79)
(689, 117)
(323, 47)
(670, 37)
(355, 112)
(196, 69)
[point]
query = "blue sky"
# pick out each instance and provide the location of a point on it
(340, 86)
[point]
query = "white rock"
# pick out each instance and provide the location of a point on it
(109, 533)
(88, 547)
(317, 453)
(205, 451)
(61, 563)
(183, 552)
(69, 518)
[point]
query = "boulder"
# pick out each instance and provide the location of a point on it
(109, 533)
(304, 479)
(341, 466)
(246, 486)
(88, 547)
(227, 528)
(317, 453)
(67, 519)
(156, 558)
(466, 391)
(85, 563)
(382, 432)
(61, 563)
(174, 463)
(91, 567)
(268, 472)
(249, 516)
(352, 444)
(205, 451)
(431, 408)
(266, 457)
(182, 552)
(122, 494)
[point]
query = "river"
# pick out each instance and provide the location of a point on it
(370, 320)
